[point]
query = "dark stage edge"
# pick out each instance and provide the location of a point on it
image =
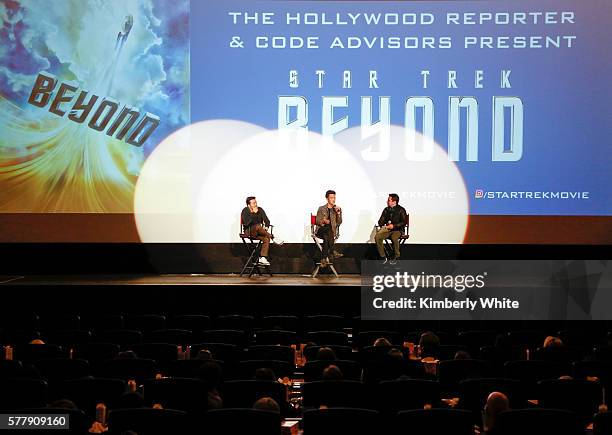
(285, 280)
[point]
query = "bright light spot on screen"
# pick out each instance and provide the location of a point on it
(193, 186)
(288, 172)
(433, 191)
(169, 180)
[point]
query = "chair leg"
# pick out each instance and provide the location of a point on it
(333, 269)
(251, 251)
(315, 272)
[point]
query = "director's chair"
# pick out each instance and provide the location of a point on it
(388, 243)
(316, 239)
(253, 247)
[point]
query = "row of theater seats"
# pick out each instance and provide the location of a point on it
(572, 332)
(183, 402)
(372, 364)
(331, 421)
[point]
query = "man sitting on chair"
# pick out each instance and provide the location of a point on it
(329, 217)
(391, 223)
(255, 221)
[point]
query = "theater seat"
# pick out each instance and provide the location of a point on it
(406, 394)
(282, 322)
(239, 322)
(367, 338)
(324, 338)
(324, 322)
(161, 353)
(59, 369)
(276, 336)
(69, 337)
(96, 352)
(539, 421)
(148, 421)
(88, 392)
(190, 322)
(335, 394)
(171, 336)
(435, 421)
(279, 353)
(577, 395)
(243, 393)
(229, 353)
(474, 392)
(246, 369)
(602, 423)
(186, 394)
(121, 337)
(145, 322)
(452, 372)
(138, 369)
(188, 368)
(229, 336)
(35, 352)
(313, 370)
(335, 421)
(533, 371)
(242, 420)
(341, 352)
(19, 393)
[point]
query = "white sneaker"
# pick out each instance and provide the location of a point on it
(278, 242)
(264, 261)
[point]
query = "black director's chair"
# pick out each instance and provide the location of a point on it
(403, 237)
(253, 246)
(313, 234)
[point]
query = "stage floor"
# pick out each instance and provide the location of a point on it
(195, 279)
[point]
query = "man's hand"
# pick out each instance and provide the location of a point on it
(325, 221)
(253, 209)
(338, 210)
(389, 226)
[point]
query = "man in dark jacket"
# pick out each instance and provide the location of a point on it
(255, 221)
(392, 222)
(329, 218)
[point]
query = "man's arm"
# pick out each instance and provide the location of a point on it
(246, 218)
(264, 217)
(320, 216)
(339, 218)
(402, 223)
(382, 221)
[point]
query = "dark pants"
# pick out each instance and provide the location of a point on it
(325, 232)
(259, 232)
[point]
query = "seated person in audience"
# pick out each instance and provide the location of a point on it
(63, 404)
(37, 341)
(552, 342)
(395, 354)
(326, 354)
(329, 217)
(129, 400)
(254, 220)
(127, 354)
(462, 354)
(267, 404)
(429, 344)
(332, 373)
(496, 403)
(392, 221)
(211, 374)
(265, 374)
(382, 342)
(204, 355)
